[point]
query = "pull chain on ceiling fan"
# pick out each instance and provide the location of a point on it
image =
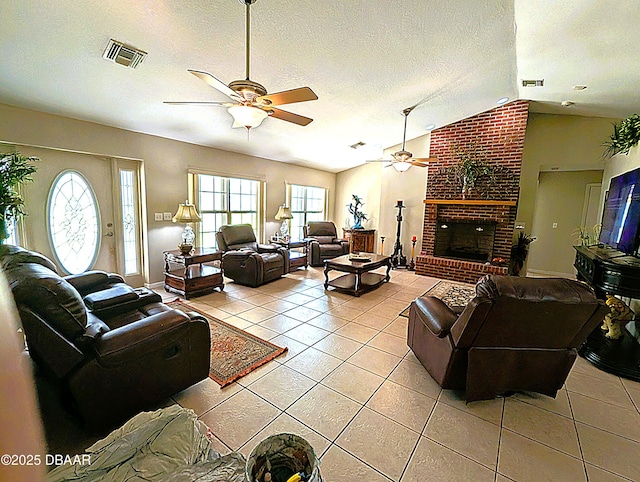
(251, 102)
(403, 159)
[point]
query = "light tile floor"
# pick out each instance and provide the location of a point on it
(352, 388)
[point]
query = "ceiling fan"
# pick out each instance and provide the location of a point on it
(251, 102)
(403, 159)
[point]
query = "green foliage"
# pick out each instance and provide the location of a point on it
(15, 169)
(586, 237)
(471, 167)
(626, 135)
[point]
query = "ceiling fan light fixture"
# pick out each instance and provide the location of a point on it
(401, 166)
(247, 116)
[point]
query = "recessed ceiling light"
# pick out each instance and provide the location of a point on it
(430, 127)
(533, 83)
(579, 87)
(502, 100)
(567, 103)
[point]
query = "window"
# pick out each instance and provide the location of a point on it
(224, 200)
(73, 222)
(307, 204)
(129, 221)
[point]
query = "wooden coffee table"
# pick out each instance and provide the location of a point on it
(359, 278)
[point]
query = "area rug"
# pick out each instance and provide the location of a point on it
(234, 352)
(455, 294)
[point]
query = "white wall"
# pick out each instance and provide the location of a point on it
(381, 187)
(165, 167)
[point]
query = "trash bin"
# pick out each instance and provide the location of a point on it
(282, 456)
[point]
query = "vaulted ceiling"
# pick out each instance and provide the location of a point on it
(365, 59)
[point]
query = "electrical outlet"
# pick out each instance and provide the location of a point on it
(554, 225)
(157, 216)
(168, 216)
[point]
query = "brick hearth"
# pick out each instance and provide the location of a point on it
(499, 134)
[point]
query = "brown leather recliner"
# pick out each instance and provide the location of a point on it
(248, 262)
(323, 242)
(113, 350)
(515, 334)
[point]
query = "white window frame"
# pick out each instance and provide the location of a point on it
(305, 212)
(194, 197)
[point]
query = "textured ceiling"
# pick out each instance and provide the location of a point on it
(365, 59)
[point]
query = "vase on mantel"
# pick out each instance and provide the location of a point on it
(465, 187)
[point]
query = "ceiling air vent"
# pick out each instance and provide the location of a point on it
(533, 83)
(123, 54)
(357, 145)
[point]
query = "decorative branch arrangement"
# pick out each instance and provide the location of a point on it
(471, 168)
(626, 135)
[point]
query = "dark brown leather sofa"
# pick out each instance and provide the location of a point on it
(323, 242)
(516, 334)
(248, 262)
(112, 350)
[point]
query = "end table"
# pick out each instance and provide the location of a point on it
(193, 274)
(297, 259)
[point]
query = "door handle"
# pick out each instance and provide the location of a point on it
(109, 234)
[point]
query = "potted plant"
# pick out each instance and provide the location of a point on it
(626, 135)
(471, 168)
(15, 169)
(519, 252)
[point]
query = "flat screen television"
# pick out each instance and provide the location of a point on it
(621, 214)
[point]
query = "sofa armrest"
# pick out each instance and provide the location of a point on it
(91, 281)
(127, 342)
(435, 315)
(268, 248)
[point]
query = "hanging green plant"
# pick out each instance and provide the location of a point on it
(626, 135)
(15, 169)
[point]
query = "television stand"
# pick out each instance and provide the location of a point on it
(609, 271)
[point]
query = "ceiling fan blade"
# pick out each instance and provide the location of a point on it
(216, 84)
(221, 104)
(425, 160)
(290, 117)
(303, 94)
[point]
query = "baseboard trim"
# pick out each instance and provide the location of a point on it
(159, 285)
(540, 273)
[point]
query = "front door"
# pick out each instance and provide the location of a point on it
(75, 210)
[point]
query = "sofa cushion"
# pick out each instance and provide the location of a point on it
(322, 228)
(325, 239)
(49, 296)
(331, 250)
(238, 234)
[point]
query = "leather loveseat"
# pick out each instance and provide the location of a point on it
(248, 262)
(324, 242)
(113, 350)
(516, 334)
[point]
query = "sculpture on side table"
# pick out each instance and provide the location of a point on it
(358, 215)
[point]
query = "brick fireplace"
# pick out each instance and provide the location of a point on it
(498, 135)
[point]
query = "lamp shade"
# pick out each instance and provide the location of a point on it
(284, 212)
(246, 115)
(187, 214)
(401, 166)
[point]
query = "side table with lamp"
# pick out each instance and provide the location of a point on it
(191, 271)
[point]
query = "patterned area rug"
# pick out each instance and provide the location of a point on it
(234, 352)
(455, 294)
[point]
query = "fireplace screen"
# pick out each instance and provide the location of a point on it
(466, 240)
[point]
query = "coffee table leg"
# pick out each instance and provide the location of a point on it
(356, 287)
(326, 276)
(388, 270)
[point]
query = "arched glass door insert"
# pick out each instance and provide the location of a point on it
(73, 221)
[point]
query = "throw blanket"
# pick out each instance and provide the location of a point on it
(169, 444)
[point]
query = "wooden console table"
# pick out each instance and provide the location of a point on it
(360, 239)
(609, 271)
(193, 274)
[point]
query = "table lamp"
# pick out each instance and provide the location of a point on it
(284, 214)
(187, 214)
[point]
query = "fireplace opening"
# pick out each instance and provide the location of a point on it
(465, 240)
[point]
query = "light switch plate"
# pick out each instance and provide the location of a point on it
(168, 216)
(157, 216)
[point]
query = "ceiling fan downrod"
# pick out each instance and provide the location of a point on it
(247, 29)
